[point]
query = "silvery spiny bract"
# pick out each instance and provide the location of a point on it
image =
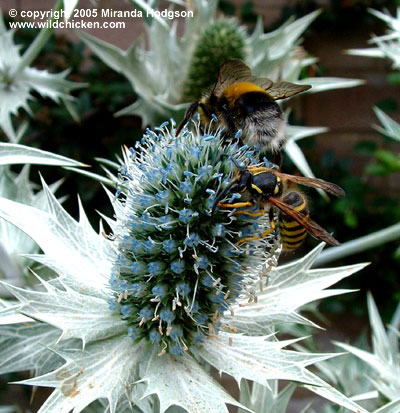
(178, 267)
(136, 320)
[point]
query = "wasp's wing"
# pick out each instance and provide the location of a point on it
(232, 71)
(189, 113)
(311, 226)
(281, 90)
(260, 169)
(313, 182)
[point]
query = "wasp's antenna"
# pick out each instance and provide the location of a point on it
(240, 166)
(222, 194)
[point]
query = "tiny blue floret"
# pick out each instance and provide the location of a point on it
(177, 266)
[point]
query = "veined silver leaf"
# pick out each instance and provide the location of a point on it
(289, 287)
(12, 153)
(9, 313)
(259, 359)
(181, 381)
(26, 347)
(76, 315)
(105, 369)
(266, 398)
(79, 253)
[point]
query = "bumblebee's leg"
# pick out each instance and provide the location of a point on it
(236, 205)
(265, 233)
(206, 110)
(189, 113)
(278, 158)
(229, 121)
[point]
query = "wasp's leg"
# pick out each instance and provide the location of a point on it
(264, 234)
(236, 205)
(250, 214)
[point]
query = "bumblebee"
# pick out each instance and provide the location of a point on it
(243, 102)
(264, 186)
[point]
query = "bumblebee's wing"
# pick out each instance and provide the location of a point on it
(264, 82)
(313, 182)
(232, 71)
(191, 110)
(311, 226)
(281, 90)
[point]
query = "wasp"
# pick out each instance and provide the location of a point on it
(263, 186)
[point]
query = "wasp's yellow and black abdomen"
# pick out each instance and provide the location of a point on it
(292, 233)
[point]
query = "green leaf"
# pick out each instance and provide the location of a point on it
(299, 132)
(370, 52)
(267, 47)
(69, 7)
(393, 78)
(380, 341)
(384, 359)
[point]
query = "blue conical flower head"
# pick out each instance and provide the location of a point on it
(179, 266)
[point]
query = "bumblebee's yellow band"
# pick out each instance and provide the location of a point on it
(238, 89)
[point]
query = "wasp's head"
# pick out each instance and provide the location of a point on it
(265, 185)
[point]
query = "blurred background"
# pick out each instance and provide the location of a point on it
(351, 153)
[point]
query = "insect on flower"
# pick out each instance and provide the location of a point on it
(265, 186)
(243, 102)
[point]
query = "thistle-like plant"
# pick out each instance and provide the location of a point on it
(387, 46)
(144, 312)
(18, 80)
(174, 70)
(384, 359)
(19, 188)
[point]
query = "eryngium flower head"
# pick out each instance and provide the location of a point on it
(68, 334)
(178, 267)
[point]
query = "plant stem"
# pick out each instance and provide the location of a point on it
(40, 40)
(360, 244)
